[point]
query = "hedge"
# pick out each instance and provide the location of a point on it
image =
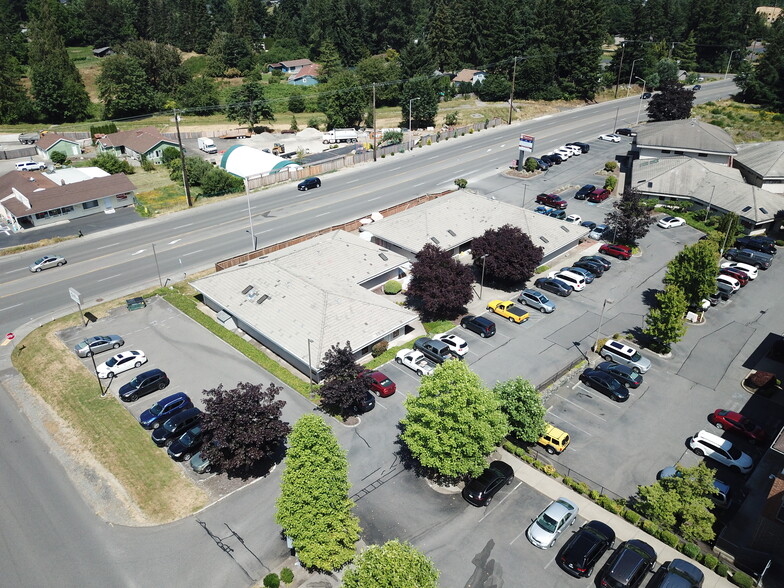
(722, 569)
(710, 561)
(392, 287)
(742, 580)
(690, 550)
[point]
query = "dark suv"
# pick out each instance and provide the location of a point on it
(628, 565)
(478, 324)
(551, 200)
(143, 384)
(580, 554)
(758, 243)
(176, 426)
(309, 183)
(583, 192)
(749, 256)
(435, 351)
(163, 409)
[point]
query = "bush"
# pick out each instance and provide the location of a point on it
(314, 123)
(631, 516)
(379, 348)
(451, 119)
(147, 165)
(392, 287)
(593, 495)
(461, 183)
(271, 581)
(610, 183)
(670, 539)
(710, 561)
(722, 569)
(690, 550)
(741, 579)
(651, 528)
(170, 154)
(779, 242)
(609, 504)
(58, 157)
(610, 166)
(286, 576)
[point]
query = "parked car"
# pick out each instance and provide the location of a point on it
(585, 548)
(610, 137)
(628, 565)
(606, 263)
(536, 300)
(550, 160)
(46, 262)
(614, 350)
(737, 423)
(554, 440)
(551, 522)
(564, 154)
(592, 266)
(187, 444)
(590, 225)
(618, 251)
(557, 158)
(625, 132)
(751, 271)
(728, 281)
(606, 384)
(480, 325)
(163, 409)
(143, 384)
(436, 351)
(122, 362)
(572, 149)
(365, 404)
(697, 87)
(589, 277)
(757, 243)
(456, 345)
(724, 290)
(175, 426)
(575, 219)
(480, 491)
(583, 192)
(576, 281)
(416, 361)
(742, 277)
(645, 96)
(30, 166)
(554, 286)
(557, 214)
(750, 257)
(598, 231)
(199, 462)
(507, 309)
(551, 200)
(721, 450)
(309, 183)
(584, 147)
(542, 210)
(721, 498)
(97, 344)
(380, 383)
(670, 222)
(624, 374)
(598, 195)
(677, 573)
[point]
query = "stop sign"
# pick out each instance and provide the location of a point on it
(9, 336)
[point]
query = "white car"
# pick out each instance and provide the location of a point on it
(122, 362)
(563, 152)
(456, 345)
(576, 281)
(545, 529)
(720, 450)
(571, 149)
(668, 222)
(574, 218)
(610, 137)
(416, 361)
(729, 281)
(30, 166)
(747, 269)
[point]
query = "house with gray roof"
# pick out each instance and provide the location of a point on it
(710, 185)
(301, 300)
(762, 165)
(138, 143)
(684, 138)
(454, 220)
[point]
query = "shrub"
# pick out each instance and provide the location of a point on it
(314, 123)
(611, 166)
(451, 119)
(379, 348)
(610, 182)
(690, 550)
(650, 528)
(58, 157)
(541, 269)
(710, 561)
(742, 580)
(609, 504)
(461, 183)
(147, 165)
(779, 242)
(392, 287)
(271, 581)
(286, 576)
(670, 539)
(593, 495)
(722, 569)
(631, 516)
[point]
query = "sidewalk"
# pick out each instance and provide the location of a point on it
(589, 510)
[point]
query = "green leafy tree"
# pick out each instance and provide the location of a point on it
(392, 565)
(629, 218)
(246, 104)
(728, 227)
(494, 88)
(313, 507)
(382, 70)
(228, 51)
(161, 63)
(667, 70)
(694, 271)
(123, 87)
(665, 322)
(198, 95)
(297, 102)
(454, 422)
(672, 102)
(681, 503)
(510, 257)
(216, 182)
(170, 154)
(420, 94)
(523, 406)
(433, 268)
(343, 101)
(109, 163)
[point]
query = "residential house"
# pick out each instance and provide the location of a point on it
(307, 76)
(103, 52)
(51, 142)
(147, 142)
(469, 76)
(290, 67)
(762, 165)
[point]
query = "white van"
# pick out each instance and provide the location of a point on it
(614, 350)
(30, 166)
(576, 281)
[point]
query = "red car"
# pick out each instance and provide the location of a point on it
(742, 277)
(551, 200)
(737, 423)
(619, 251)
(599, 195)
(380, 384)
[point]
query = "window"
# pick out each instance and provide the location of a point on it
(679, 153)
(89, 205)
(665, 151)
(702, 155)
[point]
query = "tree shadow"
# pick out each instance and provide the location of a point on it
(262, 467)
(649, 297)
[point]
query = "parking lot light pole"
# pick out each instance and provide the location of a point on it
(726, 73)
(631, 73)
(639, 107)
(310, 369)
(482, 280)
(599, 329)
(410, 132)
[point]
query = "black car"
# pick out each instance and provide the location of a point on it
(584, 548)
(606, 384)
(187, 444)
(176, 426)
(762, 244)
(480, 491)
(599, 259)
(645, 96)
(594, 267)
(590, 225)
(554, 286)
(143, 384)
(584, 147)
(548, 160)
(625, 132)
(478, 324)
(583, 192)
(557, 214)
(628, 565)
(309, 183)
(557, 159)
(624, 374)
(367, 403)
(163, 409)
(677, 573)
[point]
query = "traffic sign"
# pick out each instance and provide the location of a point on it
(9, 336)
(75, 296)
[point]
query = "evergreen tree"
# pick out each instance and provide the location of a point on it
(425, 108)
(685, 53)
(199, 96)
(14, 42)
(583, 24)
(770, 70)
(329, 61)
(314, 508)
(665, 322)
(162, 65)
(14, 101)
(393, 25)
(55, 82)
(443, 37)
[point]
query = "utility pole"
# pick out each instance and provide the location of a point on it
(620, 66)
(182, 161)
(375, 142)
(511, 92)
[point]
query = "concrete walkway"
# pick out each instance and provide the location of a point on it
(553, 489)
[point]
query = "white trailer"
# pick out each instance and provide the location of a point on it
(340, 136)
(207, 145)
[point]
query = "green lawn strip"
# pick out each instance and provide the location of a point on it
(105, 428)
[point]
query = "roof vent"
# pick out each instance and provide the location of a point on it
(384, 257)
(434, 240)
(748, 208)
(544, 239)
(451, 232)
(565, 228)
(262, 299)
(763, 210)
(247, 289)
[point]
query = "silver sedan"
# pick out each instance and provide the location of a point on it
(46, 262)
(97, 344)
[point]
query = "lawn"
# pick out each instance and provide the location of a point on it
(746, 123)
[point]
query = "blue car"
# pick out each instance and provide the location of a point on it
(158, 413)
(542, 209)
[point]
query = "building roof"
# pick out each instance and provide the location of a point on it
(292, 63)
(138, 140)
(766, 159)
(457, 218)
(465, 75)
(312, 70)
(245, 161)
(47, 191)
(313, 292)
(715, 183)
(49, 139)
(685, 135)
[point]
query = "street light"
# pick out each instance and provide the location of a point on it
(599, 329)
(410, 134)
(310, 369)
(631, 73)
(482, 280)
(250, 218)
(726, 73)
(639, 107)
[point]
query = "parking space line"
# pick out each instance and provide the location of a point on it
(568, 422)
(500, 502)
(599, 395)
(518, 536)
(580, 407)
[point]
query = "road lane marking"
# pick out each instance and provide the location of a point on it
(19, 269)
(138, 252)
(192, 252)
(109, 278)
(183, 226)
(173, 242)
(568, 422)
(10, 307)
(106, 246)
(322, 214)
